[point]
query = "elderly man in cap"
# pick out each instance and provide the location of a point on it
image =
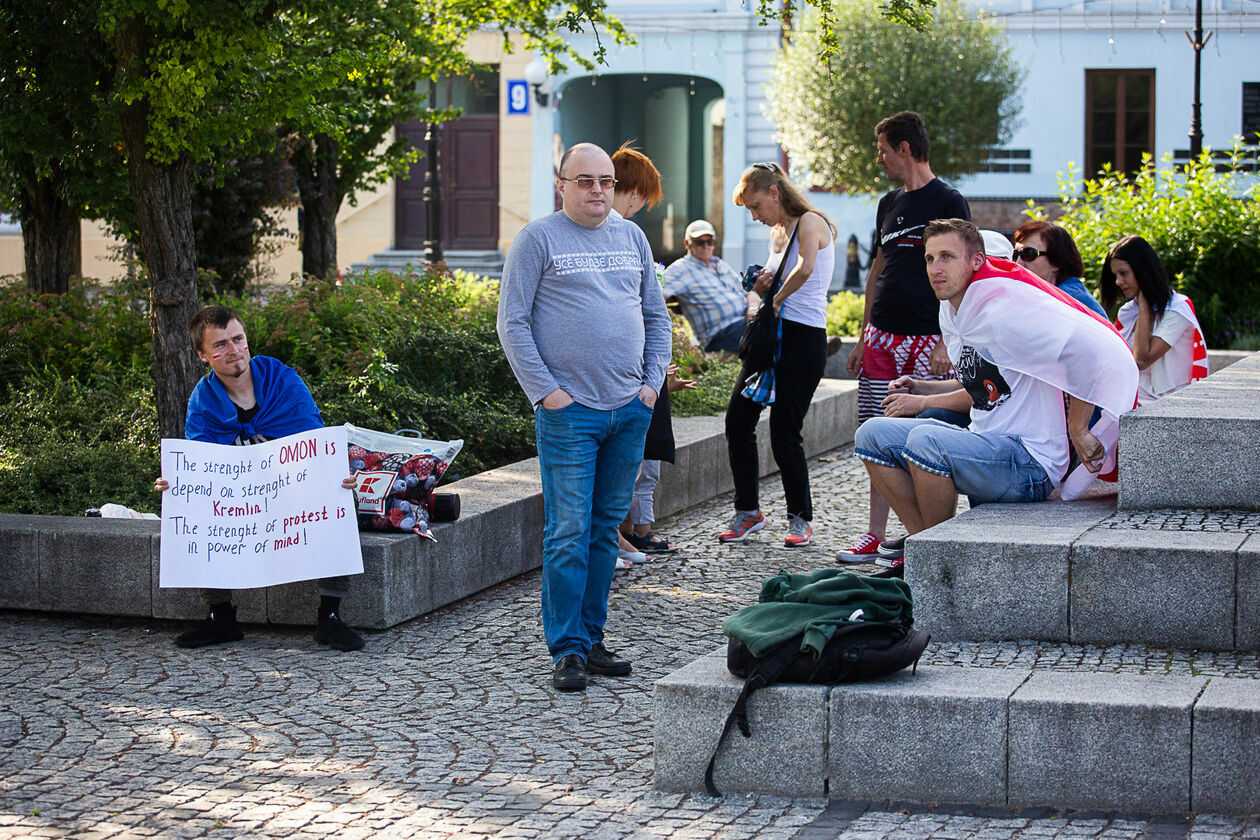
(710, 292)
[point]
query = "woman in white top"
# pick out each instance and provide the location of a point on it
(801, 305)
(1158, 323)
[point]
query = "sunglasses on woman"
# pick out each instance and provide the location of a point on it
(1027, 253)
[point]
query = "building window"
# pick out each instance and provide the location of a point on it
(1119, 118)
(1008, 160)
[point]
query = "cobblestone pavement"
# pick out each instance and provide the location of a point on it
(446, 726)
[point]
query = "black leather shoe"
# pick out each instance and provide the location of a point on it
(601, 660)
(570, 673)
(332, 631)
(219, 627)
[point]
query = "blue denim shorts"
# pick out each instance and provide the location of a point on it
(988, 467)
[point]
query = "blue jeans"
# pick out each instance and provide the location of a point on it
(988, 467)
(588, 460)
(953, 418)
(727, 338)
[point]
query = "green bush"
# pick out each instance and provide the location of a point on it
(66, 446)
(1249, 343)
(91, 330)
(1202, 219)
(844, 314)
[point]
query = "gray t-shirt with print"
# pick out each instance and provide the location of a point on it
(581, 309)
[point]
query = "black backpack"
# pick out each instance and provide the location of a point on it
(857, 651)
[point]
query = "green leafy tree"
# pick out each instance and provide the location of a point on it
(1202, 219)
(197, 80)
(959, 73)
(58, 154)
(236, 217)
(404, 46)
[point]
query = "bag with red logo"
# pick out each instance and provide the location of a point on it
(396, 476)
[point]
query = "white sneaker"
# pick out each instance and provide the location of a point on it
(631, 556)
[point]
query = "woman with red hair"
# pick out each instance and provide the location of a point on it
(1047, 250)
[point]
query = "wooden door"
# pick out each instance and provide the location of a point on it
(470, 183)
(409, 215)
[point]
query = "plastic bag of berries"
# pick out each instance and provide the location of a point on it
(396, 476)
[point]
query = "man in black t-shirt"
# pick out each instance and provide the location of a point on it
(899, 324)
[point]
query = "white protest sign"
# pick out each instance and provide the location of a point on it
(237, 517)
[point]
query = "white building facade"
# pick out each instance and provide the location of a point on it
(1106, 82)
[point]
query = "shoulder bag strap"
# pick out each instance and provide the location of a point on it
(766, 673)
(774, 287)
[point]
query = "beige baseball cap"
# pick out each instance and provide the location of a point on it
(699, 228)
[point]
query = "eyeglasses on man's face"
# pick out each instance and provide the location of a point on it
(586, 182)
(703, 242)
(1027, 253)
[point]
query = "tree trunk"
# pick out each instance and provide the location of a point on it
(161, 195)
(315, 163)
(50, 236)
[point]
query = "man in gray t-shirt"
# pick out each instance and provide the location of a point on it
(584, 326)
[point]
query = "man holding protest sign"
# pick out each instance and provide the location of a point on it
(247, 400)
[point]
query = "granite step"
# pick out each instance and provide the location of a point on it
(1091, 731)
(1196, 448)
(1085, 572)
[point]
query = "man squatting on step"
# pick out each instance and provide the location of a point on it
(583, 323)
(242, 401)
(1018, 345)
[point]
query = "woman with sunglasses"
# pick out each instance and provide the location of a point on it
(802, 242)
(1158, 323)
(1047, 250)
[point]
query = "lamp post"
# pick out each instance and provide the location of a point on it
(1198, 42)
(432, 194)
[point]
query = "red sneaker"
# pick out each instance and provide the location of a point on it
(865, 550)
(744, 522)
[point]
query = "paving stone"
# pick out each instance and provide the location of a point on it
(1086, 740)
(94, 565)
(931, 736)
(1165, 587)
(1227, 747)
(1191, 442)
(1247, 619)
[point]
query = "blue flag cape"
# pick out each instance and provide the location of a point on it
(285, 406)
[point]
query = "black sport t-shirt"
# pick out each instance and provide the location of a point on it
(904, 302)
(243, 416)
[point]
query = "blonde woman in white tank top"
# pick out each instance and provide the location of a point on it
(801, 304)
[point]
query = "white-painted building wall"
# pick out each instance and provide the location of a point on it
(1056, 40)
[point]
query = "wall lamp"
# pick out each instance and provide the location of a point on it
(536, 75)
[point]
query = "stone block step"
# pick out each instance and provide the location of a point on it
(1196, 448)
(482, 263)
(1085, 572)
(990, 736)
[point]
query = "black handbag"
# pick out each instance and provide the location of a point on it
(761, 335)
